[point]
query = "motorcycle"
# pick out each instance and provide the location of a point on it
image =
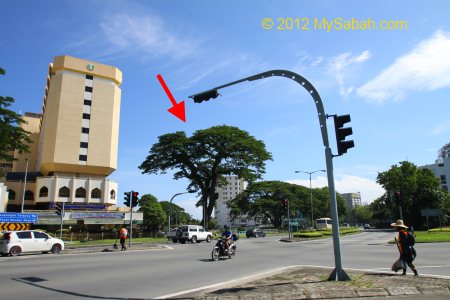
(220, 249)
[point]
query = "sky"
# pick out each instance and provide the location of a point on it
(394, 82)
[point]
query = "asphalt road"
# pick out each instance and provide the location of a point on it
(146, 274)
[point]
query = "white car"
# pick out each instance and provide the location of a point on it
(16, 242)
(192, 233)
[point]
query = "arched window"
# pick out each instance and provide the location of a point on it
(96, 193)
(43, 192)
(11, 195)
(80, 193)
(113, 194)
(64, 192)
(29, 195)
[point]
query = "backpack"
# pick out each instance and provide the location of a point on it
(411, 239)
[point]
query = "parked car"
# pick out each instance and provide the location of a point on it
(17, 242)
(255, 233)
(366, 226)
(345, 225)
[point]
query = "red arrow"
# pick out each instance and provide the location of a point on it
(178, 108)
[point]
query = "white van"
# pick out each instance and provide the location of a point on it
(323, 223)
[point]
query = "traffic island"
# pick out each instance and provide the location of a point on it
(312, 283)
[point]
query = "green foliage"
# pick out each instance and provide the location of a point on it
(419, 188)
(205, 157)
(177, 214)
(362, 214)
(154, 216)
(310, 234)
(425, 237)
(12, 136)
(264, 200)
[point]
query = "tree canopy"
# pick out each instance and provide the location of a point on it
(419, 188)
(264, 200)
(12, 136)
(205, 157)
(154, 215)
(444, 152)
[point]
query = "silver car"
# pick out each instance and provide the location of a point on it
(17, 242)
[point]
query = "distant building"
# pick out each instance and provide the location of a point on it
(441, 168)
(352, 200)
(234, 187)
(75, 139)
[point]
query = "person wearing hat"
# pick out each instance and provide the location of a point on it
(407, 252)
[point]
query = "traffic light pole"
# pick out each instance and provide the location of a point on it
(338, 273)
(62, 221)
(131, 219)
(289, 219)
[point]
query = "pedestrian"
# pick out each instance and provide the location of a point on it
(123, 235)
(405, 242)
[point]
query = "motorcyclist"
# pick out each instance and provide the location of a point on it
(228, 236)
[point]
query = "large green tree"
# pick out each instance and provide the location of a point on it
(12, 136)
(205, 157)
(418, 188)
(264, 200)
(177, 214)
(154, 215)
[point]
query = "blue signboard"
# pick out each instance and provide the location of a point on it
(18, 218)
(70, 206)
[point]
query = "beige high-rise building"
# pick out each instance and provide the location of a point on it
(75, 138)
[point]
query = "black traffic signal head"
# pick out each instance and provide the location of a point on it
(59, 207)
(342, 132)
(285, 203)
(397, 195)
(134, 199)
(205, 96)
(127, 199)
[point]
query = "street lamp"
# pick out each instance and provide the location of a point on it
(310, 191)
(338, 273)
(170, 204)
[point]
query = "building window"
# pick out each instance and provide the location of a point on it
(89, 77)
(83, 145)
(64, 192)
(88, 89)
(87, 102)
(29, 195)
(112, 194)
(96, 193)
(84, 130)
(443, 179)
(11, 195)
(82, 157)
(87, 116)
(80, 193)
(43, 192)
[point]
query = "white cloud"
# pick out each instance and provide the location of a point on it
(342, 65)
(441, 128)
(369, 189)
(147, 36)
(425, 68)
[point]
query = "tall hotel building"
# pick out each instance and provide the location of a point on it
(234, 186)
(75, 139)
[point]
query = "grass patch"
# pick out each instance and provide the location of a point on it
(432, 237)
(443, 229)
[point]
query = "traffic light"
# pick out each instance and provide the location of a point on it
(127, 199)
(205, 96)
(342, 132)
(59, 208)
(285, 203)
(134, 199)
(398, 197)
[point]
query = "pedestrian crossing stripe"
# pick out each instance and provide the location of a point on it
(14, 226)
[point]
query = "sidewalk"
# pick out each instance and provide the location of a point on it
(311, 283)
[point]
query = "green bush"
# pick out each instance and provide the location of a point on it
(308, 234)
